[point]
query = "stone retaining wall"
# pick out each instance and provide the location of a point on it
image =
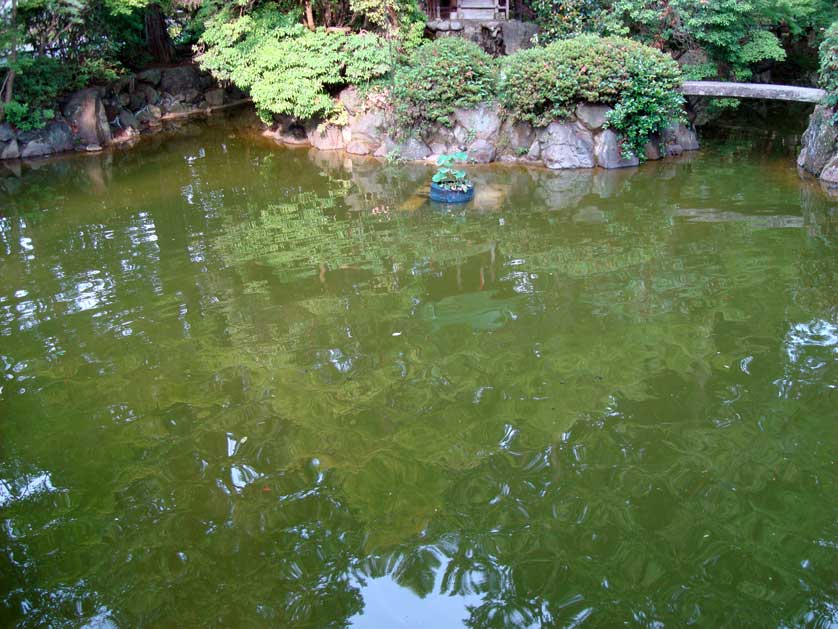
(581, 141)
(95, 117)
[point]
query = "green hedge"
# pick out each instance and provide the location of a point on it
(439, 77)
(539, 85)
(829, 65)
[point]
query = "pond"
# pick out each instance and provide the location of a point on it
(251, 386)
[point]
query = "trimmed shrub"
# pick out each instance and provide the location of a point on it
(441, 76)
(541, 84)
(829, 65)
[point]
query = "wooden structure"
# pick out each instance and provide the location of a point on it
(468, 9)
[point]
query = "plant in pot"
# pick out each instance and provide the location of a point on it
(450, 185)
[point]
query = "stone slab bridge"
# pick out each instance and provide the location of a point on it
(723, 89)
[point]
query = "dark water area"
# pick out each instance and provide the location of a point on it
(754, 127)
(251, 386)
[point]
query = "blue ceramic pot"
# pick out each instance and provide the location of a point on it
(444, 195)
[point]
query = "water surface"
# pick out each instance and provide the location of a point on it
(249, 386)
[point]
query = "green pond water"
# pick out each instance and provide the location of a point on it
(247, 386)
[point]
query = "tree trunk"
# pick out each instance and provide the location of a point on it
(327, 14)
(156, 36)
(8, 93)
(309, 15)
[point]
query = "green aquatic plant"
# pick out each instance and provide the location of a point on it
(451, 178)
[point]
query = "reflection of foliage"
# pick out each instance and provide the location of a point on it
(266, 387)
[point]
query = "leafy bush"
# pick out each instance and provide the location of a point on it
(52, 48)
(829, 65)
(287, 68)
(541, 84)
(441, 76)
(646, 107)
(562, 19)
(24, 118)
(403, 20)
(40, 81)
(736, 35)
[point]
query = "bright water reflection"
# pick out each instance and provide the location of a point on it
(244, 386)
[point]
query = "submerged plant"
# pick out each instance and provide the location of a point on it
(451, 178)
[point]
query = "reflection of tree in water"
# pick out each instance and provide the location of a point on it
(312, 395)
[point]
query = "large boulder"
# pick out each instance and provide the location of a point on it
(177, 107)
(592, 116)
(534, 152)
(481, 151)
(478, 123)
(86, 114)
(370, 126)
(566, 145)
(122, 84)
(351, 100)
(179, 80)
(680, 135)
(150, 116)
(60, 136)
(127, 120)
(190, 96)
(151, 76)
(9, 149)
(652, 150)
(327, 137)
(829, 174)
(137, 100)
(152, 96)
(366, 132)
(440, 139)
(609, 153)
(413, 149)
(516, 138)
(215, 97)
(820, 141)
(56, 137)
(6, 132)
